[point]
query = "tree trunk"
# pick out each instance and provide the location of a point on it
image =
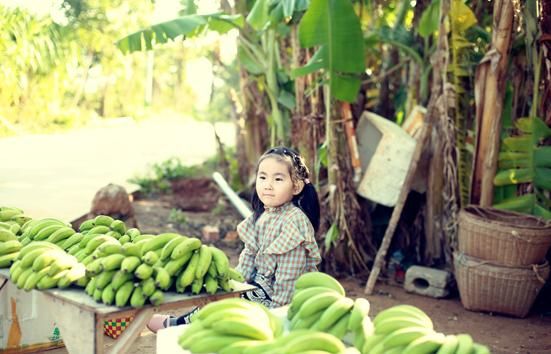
(489, 93)
(545, 41)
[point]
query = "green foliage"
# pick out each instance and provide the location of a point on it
(177, 216)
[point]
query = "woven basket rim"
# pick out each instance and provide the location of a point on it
(509, 219)
(541, 270)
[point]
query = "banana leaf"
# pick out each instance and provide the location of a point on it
(523, 161)
(334, 25)
(189, 25)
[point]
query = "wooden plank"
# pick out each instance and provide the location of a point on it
(404, 192)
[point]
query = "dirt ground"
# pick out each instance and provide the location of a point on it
(503, 334)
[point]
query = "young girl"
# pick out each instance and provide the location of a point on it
(278, 237)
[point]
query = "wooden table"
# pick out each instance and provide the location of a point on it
(80, 318)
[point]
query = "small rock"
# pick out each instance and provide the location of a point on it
(210, 233)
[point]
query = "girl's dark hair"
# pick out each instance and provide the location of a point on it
(307, 200)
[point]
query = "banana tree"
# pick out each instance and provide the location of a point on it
(333, 29)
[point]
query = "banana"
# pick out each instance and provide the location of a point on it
(314, 341)
(465, 344)
(132, 249)
(449, 346)
(212, 344)
(45, 232)
(143, 238)
(119, 226)
(29, 258)
(77, 272)
(109, 248)
(401, 310)
(372, 343)
(244, 327)
(37, 245)
(61, 234)
(22, 278)
(130, 263)
(188, 275)
(392, 324)
(310, 279)
(62, 262)
(480, 349)
(223, 305)
(339, 328)
(123, 293)
(6, 260)
(426, 344)
(90, 287)
(34, 277)
(162, 278)
(15, 271)
(87, 225)
(88, 259)
(404, 336)
(104, 278)
(7, 235)
(9, 247)
(133, 233)
(157, 297)
(170, 245)
(189, 244)
(94, 243)
(48, 282)
(239, 347)
(150, 258)
(317, 303)
(212, 271)
(47, 258)
(367, 328)
(224, 283)
(197, 285)
(108, 295)
(96, 295)
(94, 267)
(148, 287)
(137, 299)
(211, 284)
(221, 261)
(143, 271)
(112, 261)
(158, 241)
(87, 238)
(119, 278)
(334, 312)
(9, 213)
(175, 266)
(98, 230)
(307, 322)
(205, 257)
(82, 282)
(72, 240)
(104, 220)
(302, 295)
(359, 311)
(113, 234)
(235, 275)
(124, 239)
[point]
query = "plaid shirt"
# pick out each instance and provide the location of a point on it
(279, 248)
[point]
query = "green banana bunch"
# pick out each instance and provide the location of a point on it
(223, 323)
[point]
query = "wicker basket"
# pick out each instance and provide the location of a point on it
(494, 288)
(503, 237)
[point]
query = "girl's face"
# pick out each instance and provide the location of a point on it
(274, 184)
